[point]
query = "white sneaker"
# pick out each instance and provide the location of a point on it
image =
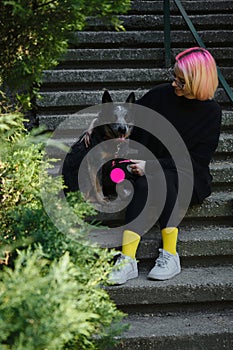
(124, 269)
(167, 266)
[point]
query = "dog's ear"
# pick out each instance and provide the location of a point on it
(106, 97)
(131, 98)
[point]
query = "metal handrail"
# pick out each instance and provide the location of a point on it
(167, 40)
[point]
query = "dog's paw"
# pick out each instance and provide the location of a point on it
(90, 200)
(102, 199)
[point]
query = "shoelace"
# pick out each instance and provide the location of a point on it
(115, 258)
(162, 260)
(118, 259)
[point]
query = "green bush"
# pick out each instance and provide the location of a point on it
(24, 175)
(47, 306)
(51, 295)
(35, 34)
(50, 291)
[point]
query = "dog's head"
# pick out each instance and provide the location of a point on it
(117, 118)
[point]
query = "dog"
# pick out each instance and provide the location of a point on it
(114, 122)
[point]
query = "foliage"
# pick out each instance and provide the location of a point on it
(23, 172)
(49, 307)
(50, 295)
(50, 292)
(34, 35)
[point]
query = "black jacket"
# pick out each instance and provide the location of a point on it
(197, 122)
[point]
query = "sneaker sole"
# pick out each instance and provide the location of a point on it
(130, 276)
(163, 278)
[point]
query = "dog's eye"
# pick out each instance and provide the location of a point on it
(129, 119)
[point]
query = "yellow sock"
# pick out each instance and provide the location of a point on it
(169, 236)
(130, 243)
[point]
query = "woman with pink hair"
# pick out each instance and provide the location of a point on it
(188, 104)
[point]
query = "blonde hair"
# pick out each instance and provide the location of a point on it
(199, 69)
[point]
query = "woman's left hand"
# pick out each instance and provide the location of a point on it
(138, 168)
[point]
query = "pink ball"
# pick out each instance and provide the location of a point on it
(117, 175)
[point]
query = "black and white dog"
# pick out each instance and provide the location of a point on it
(115, 122)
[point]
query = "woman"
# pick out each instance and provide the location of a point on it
(188, 104)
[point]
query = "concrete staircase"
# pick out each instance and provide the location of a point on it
(194, 310)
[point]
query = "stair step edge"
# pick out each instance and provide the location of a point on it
(192, 285)
(211, 331)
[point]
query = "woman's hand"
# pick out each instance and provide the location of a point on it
(87, 135)
(138, 168)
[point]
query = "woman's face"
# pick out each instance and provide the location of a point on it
(179, 84)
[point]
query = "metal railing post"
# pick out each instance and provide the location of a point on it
(167, 33)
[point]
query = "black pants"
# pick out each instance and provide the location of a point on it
(169, 214)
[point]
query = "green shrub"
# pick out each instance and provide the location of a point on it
(34, 35)
(47, 306)
(51, 296)
(24, 175)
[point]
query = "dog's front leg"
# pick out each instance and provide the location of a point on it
(99, 190)
(95, 181)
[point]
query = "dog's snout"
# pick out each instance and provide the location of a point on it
(122, 129)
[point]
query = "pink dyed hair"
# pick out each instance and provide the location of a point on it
(199, 69)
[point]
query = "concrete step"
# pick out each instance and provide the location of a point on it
(187, 331)
(199, 285)
(76, 100)
(222, 172)
(84, 76)
(191, 6)
(218, 207)
(51, 121)
(227, 118)
(219, 204)
(132, 76)
(225, 145)
(197, 246)
(211, 38)
(155, 22)
(125, 57)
